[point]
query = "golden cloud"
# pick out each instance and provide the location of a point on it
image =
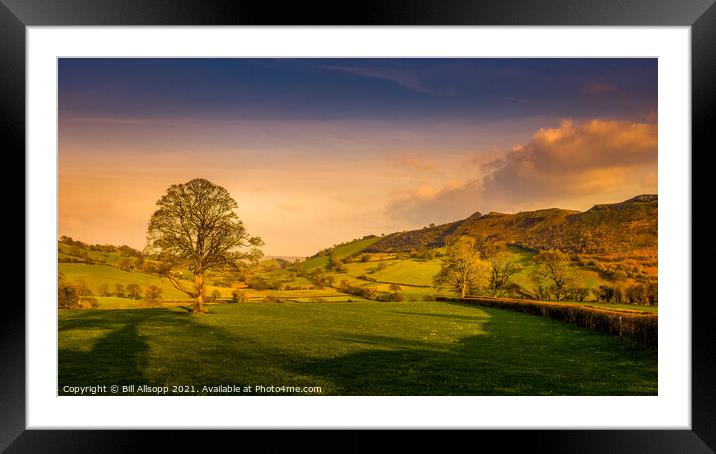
(587, 162)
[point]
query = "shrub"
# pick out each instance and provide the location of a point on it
(513, 289)
(605, 293)
(258, 283)
(581, 293)
(152, 296)
(652, 293)
(363, 292)
(542, 293)
(336, 264)
(67, 297)
(237, 296)
(643, 294)
(134, 291)
(88, 302)
(272, 299)
(125, 264)
(82, 288)
(104, 290)
(390, 297)
(641, 326)
(618, 295)
(215, 295)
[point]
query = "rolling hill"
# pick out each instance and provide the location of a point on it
(603, 229)
(610, 243)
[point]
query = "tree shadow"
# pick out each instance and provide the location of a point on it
(119, 357)
(155, 347)
(510, 358)
(121, 349)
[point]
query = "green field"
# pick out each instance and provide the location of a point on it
(340, 251)
(369, 348)
(377, 273)
(97, 275)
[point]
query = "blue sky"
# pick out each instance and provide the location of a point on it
(348, 147)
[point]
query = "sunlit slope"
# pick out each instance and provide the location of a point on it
(341, 251)
(97, 275)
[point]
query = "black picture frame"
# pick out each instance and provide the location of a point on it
(700, 15)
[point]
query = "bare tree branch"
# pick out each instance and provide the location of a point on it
(177, 285)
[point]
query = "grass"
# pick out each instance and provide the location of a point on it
(369, 348)
(115, 302)
(582, 277)
(411, 272)
(96, 275)
(340, 251)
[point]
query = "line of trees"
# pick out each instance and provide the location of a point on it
(77, 295)
(639, 294)
(473, 265)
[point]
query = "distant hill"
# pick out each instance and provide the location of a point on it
(604, 229)
(285, 258)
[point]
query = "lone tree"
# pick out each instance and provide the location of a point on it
(502, 266)
(462, 269)
(554, 265)
(395, 288)
(195, 228)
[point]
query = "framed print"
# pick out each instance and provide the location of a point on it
(266, 219)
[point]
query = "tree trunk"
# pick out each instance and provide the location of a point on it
(199, 303)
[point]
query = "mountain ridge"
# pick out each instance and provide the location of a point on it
(614, 228)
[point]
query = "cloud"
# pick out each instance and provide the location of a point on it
(403, 77)
(426, 203)
(584, 163)
(409, 161)
(598, 88)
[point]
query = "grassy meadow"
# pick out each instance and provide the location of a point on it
(297, 333)
(366, 348)
(359, 226)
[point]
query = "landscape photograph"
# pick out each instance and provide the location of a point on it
(357, 227)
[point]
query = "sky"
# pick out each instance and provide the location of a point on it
(321, 151)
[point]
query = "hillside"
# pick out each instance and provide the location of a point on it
(603, 229)
(618, 239)
(610, 243)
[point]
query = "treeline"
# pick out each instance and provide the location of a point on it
(640, 294)
(81, 247)
(474, 266)
(123, 257)
(616, 230)
(77, 295)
